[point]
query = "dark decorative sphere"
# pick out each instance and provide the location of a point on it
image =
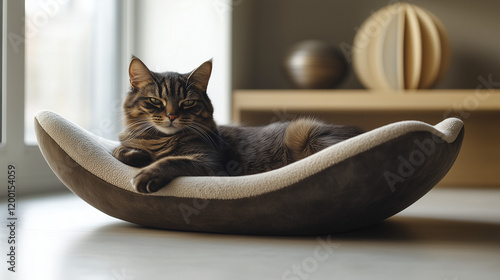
(314, 64)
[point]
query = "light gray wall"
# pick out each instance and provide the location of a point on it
(264, 29)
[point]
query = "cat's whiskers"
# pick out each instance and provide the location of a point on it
(137, 128)
(136, 123)
(204, 133)
(211, 131)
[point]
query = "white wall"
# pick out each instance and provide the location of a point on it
(173, 35)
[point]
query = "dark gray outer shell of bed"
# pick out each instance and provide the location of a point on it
(369, 186)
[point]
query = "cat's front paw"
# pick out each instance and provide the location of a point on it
(133, 157)
(150, 180)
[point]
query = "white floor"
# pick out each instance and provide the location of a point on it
(449, 234)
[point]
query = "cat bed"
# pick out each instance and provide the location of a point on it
(350, 185)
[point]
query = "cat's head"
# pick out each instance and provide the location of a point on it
(168, 102)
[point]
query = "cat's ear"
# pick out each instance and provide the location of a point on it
(200, 76)
(139, 74)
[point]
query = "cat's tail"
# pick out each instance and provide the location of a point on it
(304, 137)
(298, 136)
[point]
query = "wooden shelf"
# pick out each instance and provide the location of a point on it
(365, 100)
(479, 161)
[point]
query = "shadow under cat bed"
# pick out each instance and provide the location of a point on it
(347, 186)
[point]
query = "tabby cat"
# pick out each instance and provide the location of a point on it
(170, 132)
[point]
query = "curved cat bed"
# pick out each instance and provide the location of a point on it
(353, 184)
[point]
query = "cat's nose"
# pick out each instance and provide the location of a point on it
(171, 117)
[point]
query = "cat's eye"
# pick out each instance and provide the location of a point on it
(188, 103)
(155, 101)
